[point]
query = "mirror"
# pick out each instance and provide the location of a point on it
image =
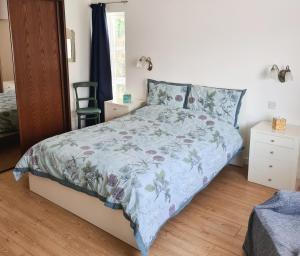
(9, 136)
(71, 45)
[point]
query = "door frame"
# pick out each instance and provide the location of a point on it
(64, 67)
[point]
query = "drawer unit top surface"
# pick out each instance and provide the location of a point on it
(292, 131)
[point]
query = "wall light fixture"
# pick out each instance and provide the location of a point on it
(283, 75)
(145, 62)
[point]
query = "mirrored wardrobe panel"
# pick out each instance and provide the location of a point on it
(9, 136)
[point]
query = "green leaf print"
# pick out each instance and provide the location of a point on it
(64, 142)
(194, 160)
(218, 140)
(159, 133)
(183, 115)
(160, 176)
(162, 96)
(160, 185)
(128, 146)
(208, 102)
(150, 188)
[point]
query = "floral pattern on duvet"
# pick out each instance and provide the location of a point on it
(8, 112)
(151, 163)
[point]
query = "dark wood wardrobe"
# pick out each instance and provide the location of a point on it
(41, 69)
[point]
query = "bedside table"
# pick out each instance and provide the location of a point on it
(115, 109)
(275, 156)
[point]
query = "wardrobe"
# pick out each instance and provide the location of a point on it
(41, 70)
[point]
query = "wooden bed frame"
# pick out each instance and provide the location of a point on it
(87, 207)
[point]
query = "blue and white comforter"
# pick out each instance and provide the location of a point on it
(8, 112)
(149, 163)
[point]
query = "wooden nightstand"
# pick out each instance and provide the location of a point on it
(275, 156)
(117, 109)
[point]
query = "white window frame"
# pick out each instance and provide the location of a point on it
(115, 79)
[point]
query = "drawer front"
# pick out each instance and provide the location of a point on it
(112, 111)
(274, 140)
(271, 173)
(265, 150)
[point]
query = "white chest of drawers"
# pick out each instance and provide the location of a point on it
(275, 156)
(117, 109)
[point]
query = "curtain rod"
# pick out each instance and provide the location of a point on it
(117, 2)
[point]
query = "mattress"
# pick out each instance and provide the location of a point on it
(150, 164)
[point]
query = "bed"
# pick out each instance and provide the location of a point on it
(149, 164)
(8, 109)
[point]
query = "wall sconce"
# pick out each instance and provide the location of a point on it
(282, 75)
(145, 62)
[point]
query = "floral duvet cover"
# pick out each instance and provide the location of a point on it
(8, 112)
(149, 163)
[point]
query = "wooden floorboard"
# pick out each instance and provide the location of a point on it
(214, 224)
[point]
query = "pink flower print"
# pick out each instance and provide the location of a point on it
(159, 158)
(191, 100)
(112, 180)
(210, 123)
(151, 152)
(203, 117)
(118, 193)
(179, 98)
(172, 210)
(88, 153)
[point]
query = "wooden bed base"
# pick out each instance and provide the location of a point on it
(87, 207)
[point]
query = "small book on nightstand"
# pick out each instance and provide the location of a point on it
(274, 159)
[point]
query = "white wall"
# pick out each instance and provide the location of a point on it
(6, 60)
(78, 18)
(3, 10)
(218, 43)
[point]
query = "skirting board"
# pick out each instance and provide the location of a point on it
(87, 207)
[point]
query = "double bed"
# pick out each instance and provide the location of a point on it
(8, 109)
(148, 165)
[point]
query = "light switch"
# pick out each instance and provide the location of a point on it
(272, 105)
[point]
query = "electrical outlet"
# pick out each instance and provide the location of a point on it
(272, 105)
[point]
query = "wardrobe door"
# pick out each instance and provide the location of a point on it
(38, 36)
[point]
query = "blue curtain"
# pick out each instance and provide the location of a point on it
(100, 56)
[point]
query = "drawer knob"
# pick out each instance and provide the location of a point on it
(270, 166)
(269, 180)
(272, 141)
(272, 152)
(115, 109)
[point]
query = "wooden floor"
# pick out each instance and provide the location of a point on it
(214, 224)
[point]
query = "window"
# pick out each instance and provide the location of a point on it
(116, 30)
